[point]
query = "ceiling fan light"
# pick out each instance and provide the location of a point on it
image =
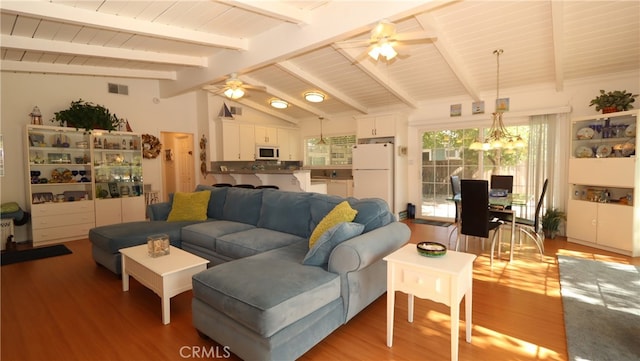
(234, 93)
(374, 53)
(314, 97)
(279, 103)
(388, 51)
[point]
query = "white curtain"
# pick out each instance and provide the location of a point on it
(547, 158)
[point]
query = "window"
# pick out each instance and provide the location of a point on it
(335, 151)
(446, 153)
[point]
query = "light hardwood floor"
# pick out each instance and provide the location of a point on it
(67, 308)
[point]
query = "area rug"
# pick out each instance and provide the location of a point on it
(601, 303)
(432, 223)
(33, 254)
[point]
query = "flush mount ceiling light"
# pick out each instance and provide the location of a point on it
(314, 97)
(279, 103)
(498, 136)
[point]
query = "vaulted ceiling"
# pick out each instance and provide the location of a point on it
(291, 47)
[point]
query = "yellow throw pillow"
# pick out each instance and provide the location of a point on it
(340, 213)
(189, 206)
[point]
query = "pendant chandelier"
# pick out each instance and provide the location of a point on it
(498, 137)
(321, 141)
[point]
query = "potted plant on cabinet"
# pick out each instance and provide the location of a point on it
(551, 222)
(88, 116)
(613, 101)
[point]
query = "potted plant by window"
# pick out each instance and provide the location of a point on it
(87, 116)
(613, 101)
(551, 222)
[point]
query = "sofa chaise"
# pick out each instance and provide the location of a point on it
(268, 295)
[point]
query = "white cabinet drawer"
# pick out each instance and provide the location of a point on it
(63, 233)
(50, 209)
(62, 220)
(421, 284)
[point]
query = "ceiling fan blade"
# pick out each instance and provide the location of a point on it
(355, 43)
(255, 87)
(415, 36)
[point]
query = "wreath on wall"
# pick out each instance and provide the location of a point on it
(150, 146)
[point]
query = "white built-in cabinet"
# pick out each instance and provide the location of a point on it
(72, 174)
(238, 142)
(266, 135)
(603, 174)
(376, 126)
(289, 143)
(340, 187)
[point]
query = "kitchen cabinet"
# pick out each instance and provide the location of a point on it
(289, 144)
(377, 126)
(603, 173)
(266, 135)
(340, 187)
(238, 142)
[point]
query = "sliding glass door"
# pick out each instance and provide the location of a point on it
(446, 153)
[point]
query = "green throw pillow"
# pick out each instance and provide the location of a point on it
(340, 213)
(189, 206)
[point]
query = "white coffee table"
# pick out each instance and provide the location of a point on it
(445, 279)
(167, 276)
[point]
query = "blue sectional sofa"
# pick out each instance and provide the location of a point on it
(266, 296)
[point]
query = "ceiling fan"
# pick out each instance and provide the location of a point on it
(383, 39)
(233, 88)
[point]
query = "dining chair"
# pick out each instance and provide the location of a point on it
(502, 182)
(533, 228)
(455, 193)
(475, 217)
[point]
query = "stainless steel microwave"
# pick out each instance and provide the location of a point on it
(267, 152)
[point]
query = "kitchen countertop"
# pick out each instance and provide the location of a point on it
(260, 171)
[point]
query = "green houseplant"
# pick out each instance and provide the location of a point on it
(551, 222)
(88, 116)
(613, 101)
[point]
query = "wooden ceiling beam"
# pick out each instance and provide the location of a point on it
(51, 46)
(321, 85)
(455, 62)
(93, 19)
(71, 69)
(276, 10)
(377, 76)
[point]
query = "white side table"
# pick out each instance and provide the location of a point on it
(167, 276)
(443, 279)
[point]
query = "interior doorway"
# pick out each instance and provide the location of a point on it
(178, 172)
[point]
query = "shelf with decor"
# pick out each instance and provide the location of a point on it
(60, 184)
(117, 164)
(603, 173)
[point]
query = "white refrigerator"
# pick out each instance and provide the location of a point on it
(372, 169)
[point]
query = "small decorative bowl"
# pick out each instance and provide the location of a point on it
(431, 249)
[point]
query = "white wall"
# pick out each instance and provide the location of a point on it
(21, 92)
